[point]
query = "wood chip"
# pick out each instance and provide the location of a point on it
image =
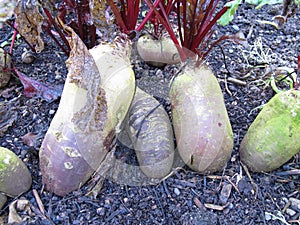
(199, 204)
(225, 193)
(216, 207)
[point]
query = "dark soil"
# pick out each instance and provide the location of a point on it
(186, 197)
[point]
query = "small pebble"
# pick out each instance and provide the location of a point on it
(268, 216)
(290, 212)
(28, 57)
(101, 211)
(285, 200)
(295, 203)
(107, 203)
(176, 191)
(235, 27)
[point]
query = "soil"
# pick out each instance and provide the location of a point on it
(232, 196)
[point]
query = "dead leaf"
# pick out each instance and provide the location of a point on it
(13, 216)
(30, 21)
(20, 205)
(24, 205)
(29, 139)
(98, 10)
(6, 10)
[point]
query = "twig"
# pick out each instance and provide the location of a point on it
(283, 178)
(288, 173)
(250, 32)
(287, 205)
(199, 204)
(294, 221)
(254, 185)
(274, 203)
(197, 194)
(159, 203)
(234, 186)
(128, 210)
(236, 81)
(39, 213)
(166, 189)
(39, 202)
(214, 177)
(228, 72)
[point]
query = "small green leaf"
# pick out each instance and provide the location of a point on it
(228, 16)
(261, 3)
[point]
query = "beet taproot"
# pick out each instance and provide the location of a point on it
(15, 178)
(150, 131)
(82, 130)
(200, 120)
(273, 137)
(157, 52)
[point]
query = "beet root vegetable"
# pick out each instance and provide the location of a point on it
(83, 127)
(201, 124)
(15, 178)
(157, 52)
(149, 128)
(5, 74)
(273, 137)
(118, 82)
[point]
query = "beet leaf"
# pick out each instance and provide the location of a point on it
(33, 88)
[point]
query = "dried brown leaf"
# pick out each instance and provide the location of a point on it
(29, 139)
(30, 21)
(13, 216)
(98, 13)
(23, 207)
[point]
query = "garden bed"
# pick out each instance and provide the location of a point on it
(185, 197)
